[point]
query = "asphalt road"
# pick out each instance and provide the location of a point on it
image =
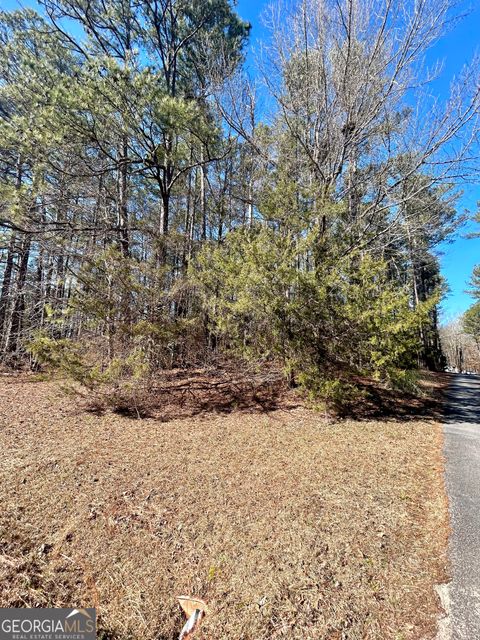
(462, 452)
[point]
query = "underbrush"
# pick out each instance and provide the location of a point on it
(132, 384)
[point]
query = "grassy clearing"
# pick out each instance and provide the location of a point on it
(290, 526)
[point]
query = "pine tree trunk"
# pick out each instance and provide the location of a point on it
(189, 225)
(5, 294)
(123, 199)
(162, 253)
(19, 308)
(203, 196)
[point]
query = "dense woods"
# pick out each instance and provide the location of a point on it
(460, 338)
(160, 208)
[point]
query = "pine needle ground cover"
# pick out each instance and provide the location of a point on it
(290, 526)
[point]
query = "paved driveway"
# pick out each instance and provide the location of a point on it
(462, 451)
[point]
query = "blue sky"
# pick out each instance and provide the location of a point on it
(455, 50)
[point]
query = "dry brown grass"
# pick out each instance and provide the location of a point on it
(290, 527)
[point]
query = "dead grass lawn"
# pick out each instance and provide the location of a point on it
(289, 526)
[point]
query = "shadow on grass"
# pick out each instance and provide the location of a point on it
(188, 394)
(183, 394)
(380, 403)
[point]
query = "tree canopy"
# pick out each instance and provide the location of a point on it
(156, 213)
